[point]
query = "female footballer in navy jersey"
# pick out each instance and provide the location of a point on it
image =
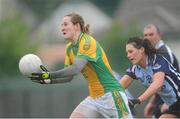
(155, 72)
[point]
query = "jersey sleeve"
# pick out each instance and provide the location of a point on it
(131, 72)
(161, 65)
(88, 49)
(67, 59)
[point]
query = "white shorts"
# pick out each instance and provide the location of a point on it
(111, 105)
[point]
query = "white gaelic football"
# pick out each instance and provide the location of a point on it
(30, 63)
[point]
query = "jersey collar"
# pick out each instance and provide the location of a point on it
(79, 38)
(159, 44)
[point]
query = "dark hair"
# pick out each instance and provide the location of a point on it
(76, 18)
(139, 43)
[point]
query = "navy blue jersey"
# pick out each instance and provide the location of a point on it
(166, 52)
(170, 90)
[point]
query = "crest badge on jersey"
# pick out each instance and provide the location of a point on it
(86, 46)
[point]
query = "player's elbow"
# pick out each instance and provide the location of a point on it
(76, 69)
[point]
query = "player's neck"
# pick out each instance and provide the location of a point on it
(143, 62)
(75, 38)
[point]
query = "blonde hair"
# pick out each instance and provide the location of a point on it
(76, 18)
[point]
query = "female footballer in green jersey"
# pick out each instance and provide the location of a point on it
(84, 54)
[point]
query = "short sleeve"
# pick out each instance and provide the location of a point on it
(161, 64)
(131, 72)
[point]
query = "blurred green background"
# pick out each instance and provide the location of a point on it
(32, 26)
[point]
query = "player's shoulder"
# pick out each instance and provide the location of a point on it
(132, 68)
(159, 58)
(163, 48)
(87, 40)
(155, 58)
(159, 61)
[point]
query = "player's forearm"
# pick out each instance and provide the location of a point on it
(154, 87)
(72, 70)
(68, 71)
(150, 91)
(62, 80)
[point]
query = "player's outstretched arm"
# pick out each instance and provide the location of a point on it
(44, 77)
(71, 70)
(62, 80)
(154, 87)
(60, 76)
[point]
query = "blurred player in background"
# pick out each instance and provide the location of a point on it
(84, 54)
(155, 106)
(155, 72)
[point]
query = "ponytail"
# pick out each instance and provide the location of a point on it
(87, 29)
(149, 48)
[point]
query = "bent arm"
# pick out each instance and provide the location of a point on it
(71, 70)
(154, 87)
